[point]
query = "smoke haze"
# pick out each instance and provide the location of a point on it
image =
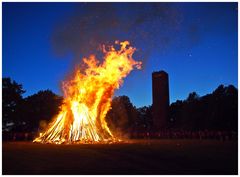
(93, 24)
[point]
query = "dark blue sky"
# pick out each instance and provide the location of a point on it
(196, 43)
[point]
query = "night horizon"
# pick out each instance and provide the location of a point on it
(201, 57)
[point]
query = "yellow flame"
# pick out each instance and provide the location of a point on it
(87, 98)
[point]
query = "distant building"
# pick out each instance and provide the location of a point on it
(160, 97)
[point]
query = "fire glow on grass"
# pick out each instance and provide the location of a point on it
(87, 98)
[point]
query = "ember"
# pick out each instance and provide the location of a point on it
(87, 98)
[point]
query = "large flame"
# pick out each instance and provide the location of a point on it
(87, 98)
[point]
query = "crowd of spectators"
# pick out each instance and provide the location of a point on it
(187, 134)
(167, 134)
(18, 136)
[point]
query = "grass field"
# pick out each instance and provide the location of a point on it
(135, 157)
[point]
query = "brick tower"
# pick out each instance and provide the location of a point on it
(160, 97)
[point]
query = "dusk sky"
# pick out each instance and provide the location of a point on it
(195, 43)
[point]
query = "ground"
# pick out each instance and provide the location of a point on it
(133, 157)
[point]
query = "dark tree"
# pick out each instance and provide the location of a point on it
(11, 99)
(122, 116)
(145, 121)
(40, 108)
(175, 118)
(192, 97)
(216, 111)
(224, 108)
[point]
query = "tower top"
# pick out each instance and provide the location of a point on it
(159, 73)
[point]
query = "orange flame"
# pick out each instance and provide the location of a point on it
(87, 98)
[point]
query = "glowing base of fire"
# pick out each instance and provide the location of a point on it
(109, 141)
(82, 128)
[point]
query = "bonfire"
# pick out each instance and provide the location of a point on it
(87, 98)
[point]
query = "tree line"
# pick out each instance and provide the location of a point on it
(215, 111)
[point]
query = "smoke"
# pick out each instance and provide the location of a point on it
(145, 25)
(194, 35)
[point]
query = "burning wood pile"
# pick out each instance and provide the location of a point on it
(87, 98)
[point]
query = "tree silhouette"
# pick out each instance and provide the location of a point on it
(25, 114)
(192, 97)
(11, 99)
(40, 108)
(122, 116)
(216, 111)
(145, 121)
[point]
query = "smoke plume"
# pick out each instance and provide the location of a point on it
(145, 25)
